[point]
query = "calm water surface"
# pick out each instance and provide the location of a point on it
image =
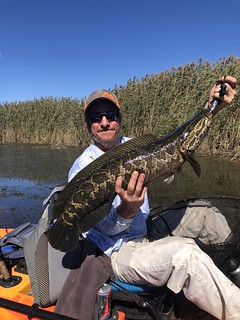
(28, 174)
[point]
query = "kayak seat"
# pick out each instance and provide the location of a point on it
(145, 301)
(136, 288)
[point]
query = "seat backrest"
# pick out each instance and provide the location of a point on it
(44, 263)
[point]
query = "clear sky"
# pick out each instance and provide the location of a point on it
(69, 48)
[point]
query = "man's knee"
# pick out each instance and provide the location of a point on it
(187, 250)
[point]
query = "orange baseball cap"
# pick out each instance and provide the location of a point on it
(100, 94)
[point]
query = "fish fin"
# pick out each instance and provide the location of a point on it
(62, 237)
(194, 164)
(169, 179)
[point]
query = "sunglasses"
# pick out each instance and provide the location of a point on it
(97, 116)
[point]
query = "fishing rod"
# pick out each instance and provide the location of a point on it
(31, 311)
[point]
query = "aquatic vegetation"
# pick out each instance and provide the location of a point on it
(156, 104)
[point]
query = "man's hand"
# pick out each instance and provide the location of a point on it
(227, 98)
(133, 197)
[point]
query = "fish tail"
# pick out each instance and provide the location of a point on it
(62, 237)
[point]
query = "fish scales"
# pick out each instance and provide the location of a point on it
(87, 198)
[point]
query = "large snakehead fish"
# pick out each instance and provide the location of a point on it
(87, 198)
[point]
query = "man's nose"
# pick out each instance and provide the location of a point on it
(104, 121)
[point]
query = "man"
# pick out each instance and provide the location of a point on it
(175, 261)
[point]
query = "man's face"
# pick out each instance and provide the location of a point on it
(105, 127)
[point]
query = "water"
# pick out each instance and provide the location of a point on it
(28, 174)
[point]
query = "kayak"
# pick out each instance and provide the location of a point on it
(17, 300)
(19, 293)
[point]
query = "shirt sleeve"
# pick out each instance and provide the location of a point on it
(114, 224)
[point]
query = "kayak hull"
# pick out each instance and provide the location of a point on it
(21, 292)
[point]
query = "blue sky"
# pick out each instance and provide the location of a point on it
(69, 48)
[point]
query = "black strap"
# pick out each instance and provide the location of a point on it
(139, 301)
(166, 224)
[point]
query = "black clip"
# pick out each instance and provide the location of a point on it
(223, 89)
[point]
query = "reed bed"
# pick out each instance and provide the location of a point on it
(157, 103)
